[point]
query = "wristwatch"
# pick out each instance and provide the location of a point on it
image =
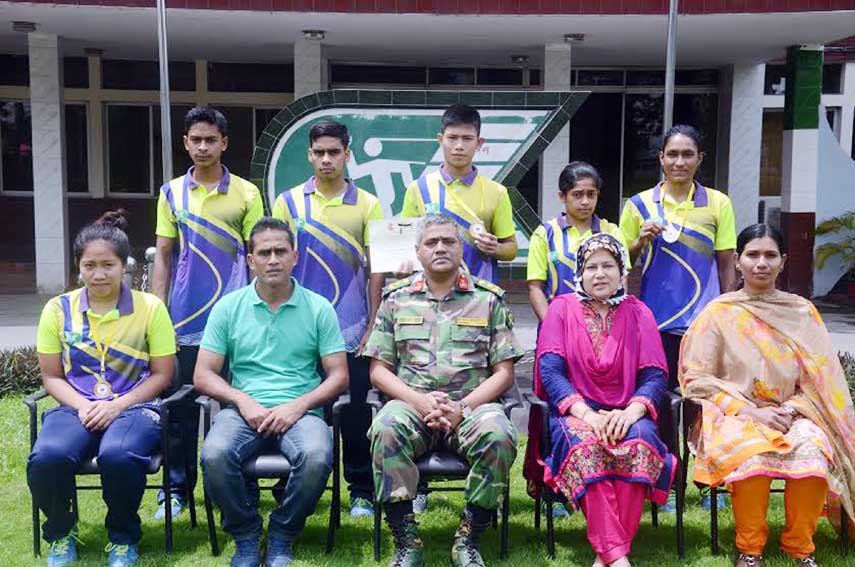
(465, 410)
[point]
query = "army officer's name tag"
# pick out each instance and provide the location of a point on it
(471, 322)
(410, 320)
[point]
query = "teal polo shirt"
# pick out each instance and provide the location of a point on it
(273, 357)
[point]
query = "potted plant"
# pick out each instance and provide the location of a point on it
(844, 226)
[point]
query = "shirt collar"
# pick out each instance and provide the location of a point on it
(293, 300)
(698, 194)
(348, 198)
(467, 180)
(564, 224)
(222, 186)
(464, 283)
(125, 304)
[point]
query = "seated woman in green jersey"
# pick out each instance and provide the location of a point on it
(552, 249)
(105, 354)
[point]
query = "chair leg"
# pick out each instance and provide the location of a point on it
(495, 519)
(75, 509)
(37, 536)
(537, 511)
(167, 506)
(332, 523)
(378, 517)
(844, 532)
(212, 527)
(550, 528)
(680, 502)
(654, 515)
(714, 519)
(506, 512)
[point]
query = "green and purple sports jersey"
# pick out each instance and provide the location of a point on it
(130, 335)
(211, 225)
(447, 344)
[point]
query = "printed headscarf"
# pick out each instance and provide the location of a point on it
(601, 241)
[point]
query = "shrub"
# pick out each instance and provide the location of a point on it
(19, 371)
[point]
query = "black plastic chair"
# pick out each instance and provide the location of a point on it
(159, 462)
(276, 466)
(669, 432)
(445, 465)
(691, 413)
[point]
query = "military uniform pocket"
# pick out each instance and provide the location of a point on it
(413, 344)
(470, 346)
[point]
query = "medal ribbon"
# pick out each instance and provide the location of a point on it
(661, 211)
(466, 208)
(103, 348)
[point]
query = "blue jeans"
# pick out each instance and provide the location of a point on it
(232, 441)
(124, 450)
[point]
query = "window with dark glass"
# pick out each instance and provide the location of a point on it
(832, 78)
(16, 139)
(701, 111)
(775, 82)
(595, 138)
(452, 76)
(500, 76)
(145, 75)
(75, 72)
(129, 148)
(646, 78)
(534, 77)
(76, 154)
(771, 153)
(251, 77)
(697, 77)
(181, 161)
(14, 70)
(241, 143)
(599, 77)
(377, 74)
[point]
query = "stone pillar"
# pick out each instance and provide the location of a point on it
(95, 127)
(309, 67)
(801, 135)
(49, 182)
(746, 132)
(556, 77)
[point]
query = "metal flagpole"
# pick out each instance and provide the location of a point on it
(165, 115)
(670, 64)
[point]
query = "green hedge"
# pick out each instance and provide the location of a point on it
(19, 371)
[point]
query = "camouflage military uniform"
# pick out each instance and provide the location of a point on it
(447, 345)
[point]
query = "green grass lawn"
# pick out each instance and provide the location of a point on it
(653, 546)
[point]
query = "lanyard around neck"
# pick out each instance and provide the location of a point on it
(466, 208)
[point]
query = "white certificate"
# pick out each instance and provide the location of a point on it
(393, 242)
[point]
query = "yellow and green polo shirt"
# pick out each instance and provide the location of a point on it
(332, 235)
(138, 329)
(552, 252)
(468, 200)
(211, 225)
(679, 278)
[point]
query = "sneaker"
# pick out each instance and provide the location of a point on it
(361, 507)
(246, 553)
(559, 510)
(121, 555)
(177, 507)
(279, 552)
(721, 501)
(62, 551)
(420, 503)
(808, 561)
(748, 560)
(670, 506)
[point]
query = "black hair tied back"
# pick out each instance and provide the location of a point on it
(110, 227)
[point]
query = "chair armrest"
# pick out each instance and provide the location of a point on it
(374, 400)
(342, 401)
(205, 402)
(31, 400)
(541, 406)
(179, 395)
(511, 399)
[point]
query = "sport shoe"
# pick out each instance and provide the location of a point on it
(748, 560)
(808, 561)
(279, 552)
(559, 510)
(670, 506)
(420, 503)
(361, 507)
(246, 553)
(121, 555)
(177, 507)
(721, 501)
(62, 551)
